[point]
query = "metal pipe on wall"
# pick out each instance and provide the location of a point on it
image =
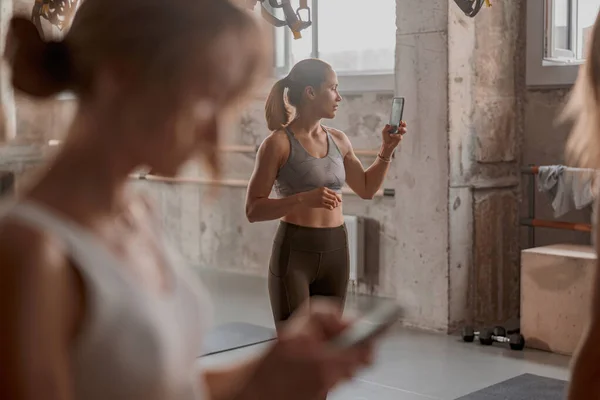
(532, 222)
(567, 226)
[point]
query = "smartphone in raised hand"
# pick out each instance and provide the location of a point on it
(396, 114)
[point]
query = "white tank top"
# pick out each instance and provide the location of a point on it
(134, 344)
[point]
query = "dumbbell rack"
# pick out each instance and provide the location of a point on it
(487, 337)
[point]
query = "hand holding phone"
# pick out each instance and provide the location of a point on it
(368, 327)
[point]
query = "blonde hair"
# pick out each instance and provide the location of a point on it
(279, 109)
(583, 109)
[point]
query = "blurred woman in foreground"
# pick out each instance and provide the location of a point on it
(94, 304)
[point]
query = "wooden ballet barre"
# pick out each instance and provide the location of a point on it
(240, 183)
(567, 226)
(252, 149)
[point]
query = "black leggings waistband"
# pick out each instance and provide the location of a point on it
(312, 239)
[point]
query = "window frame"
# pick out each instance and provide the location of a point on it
(542, 71)
(571, 51)
(349, 82)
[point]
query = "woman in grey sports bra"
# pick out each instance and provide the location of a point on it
(308, 164)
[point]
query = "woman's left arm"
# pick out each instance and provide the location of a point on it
(366, 183)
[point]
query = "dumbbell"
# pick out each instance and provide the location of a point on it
(469, 334)
(516, 340)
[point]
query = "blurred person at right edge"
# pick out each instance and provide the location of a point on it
(583, 150)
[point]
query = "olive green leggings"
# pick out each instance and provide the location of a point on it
(307, 262)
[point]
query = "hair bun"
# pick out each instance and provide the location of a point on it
(40, 69)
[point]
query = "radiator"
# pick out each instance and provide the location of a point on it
(356, 242)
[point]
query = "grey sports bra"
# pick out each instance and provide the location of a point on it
(303, 172)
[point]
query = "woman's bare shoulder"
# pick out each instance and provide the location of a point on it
(337, 134)
(37, 264)
(277, 140)
(26, 245)
(275, 146)
(37, 289)
(341, 139)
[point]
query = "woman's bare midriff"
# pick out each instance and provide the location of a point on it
(315, 217)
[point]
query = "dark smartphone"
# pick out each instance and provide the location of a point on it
(396, 114)
(370, 326)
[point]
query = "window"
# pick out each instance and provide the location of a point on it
(558, 32)
(570, 28)
(357, 39)
(560, 41)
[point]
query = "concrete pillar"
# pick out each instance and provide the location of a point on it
(420, 171)
(486, 88)
(8, 124)
(458, 227)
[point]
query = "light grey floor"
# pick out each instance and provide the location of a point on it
(411, 365)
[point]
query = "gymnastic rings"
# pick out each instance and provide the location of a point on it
(293, 19)
(472, 7)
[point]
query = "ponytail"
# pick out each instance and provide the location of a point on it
(277, 112)
(280, 108)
